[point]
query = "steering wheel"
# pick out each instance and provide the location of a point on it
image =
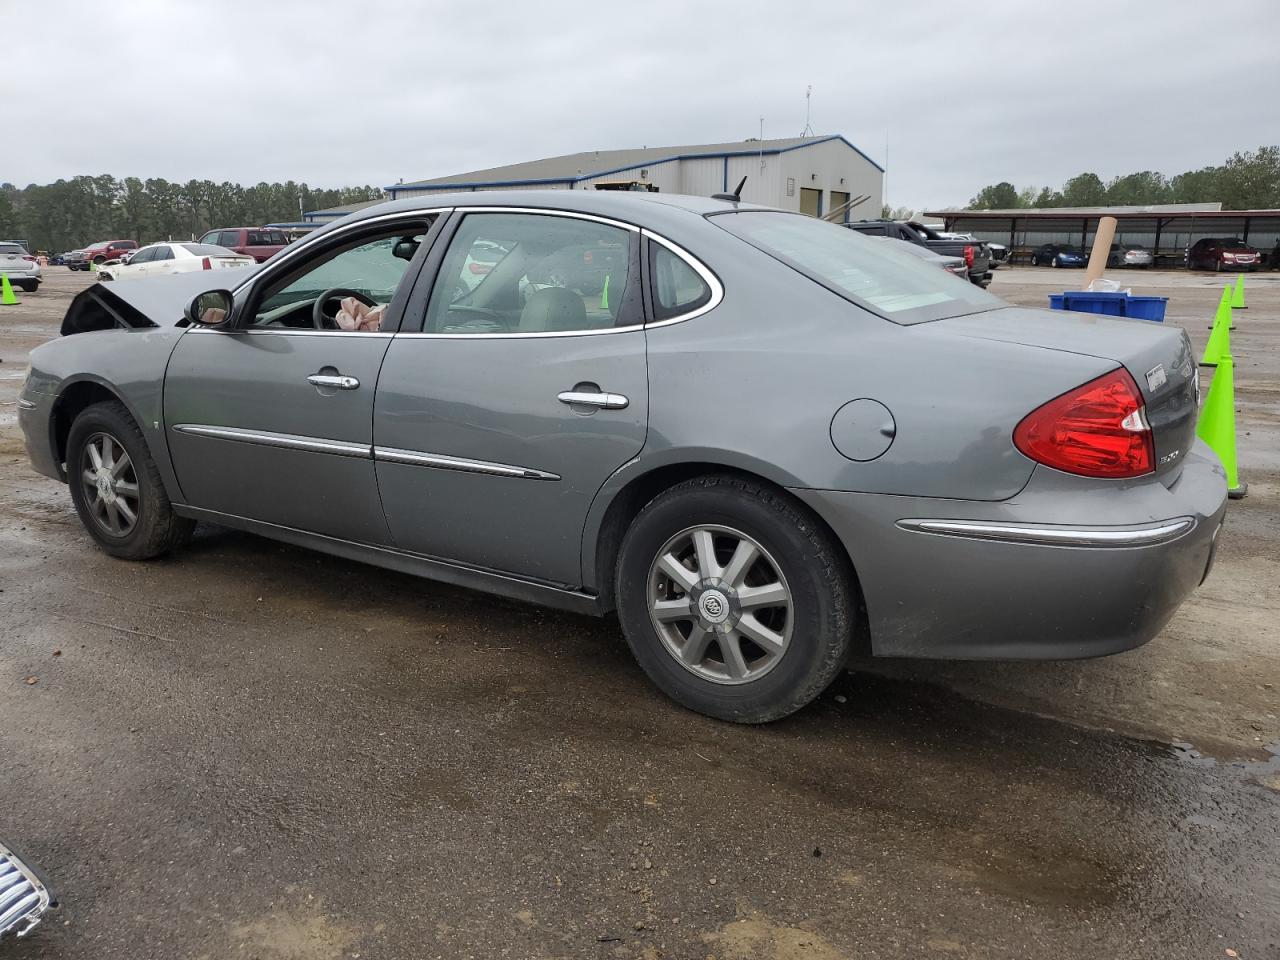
(323, 321)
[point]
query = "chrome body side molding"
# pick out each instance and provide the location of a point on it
(1055, 536)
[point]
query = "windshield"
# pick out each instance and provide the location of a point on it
(210, 250)
(1232, 243)
(878, 276)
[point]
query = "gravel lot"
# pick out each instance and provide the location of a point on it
(249, 750)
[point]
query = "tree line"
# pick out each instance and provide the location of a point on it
(72, 214)
(1246, 181)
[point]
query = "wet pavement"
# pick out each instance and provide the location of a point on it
(249, 750)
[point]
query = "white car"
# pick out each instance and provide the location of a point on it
(161, 258)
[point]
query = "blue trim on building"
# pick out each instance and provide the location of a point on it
(397, 188)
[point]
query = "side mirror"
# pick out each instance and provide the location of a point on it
(211, 308)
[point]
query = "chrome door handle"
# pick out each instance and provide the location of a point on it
(328, 380)
(606, 401)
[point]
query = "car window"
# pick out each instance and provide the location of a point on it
(873, 275)
(263, 238)
(229, 238)
(210, 237)
(162, 253)
(530, 273)
(1231, 243)
(677, 287)
(144, 255)
(368, 269)
(207, 250)
(11, 248)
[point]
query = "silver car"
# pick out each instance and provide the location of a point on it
(763, 440)
(22, 269)
(1130, 255)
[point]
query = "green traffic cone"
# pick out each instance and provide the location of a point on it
(1223, 302)
(93, 266)
(1220, 339)
(7, 299)
(1217, 426)
(604, 294)
(1237, 298)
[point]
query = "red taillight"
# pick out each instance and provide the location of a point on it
(1096, 430)
(32, 259)
(206, 264)
(968, 256)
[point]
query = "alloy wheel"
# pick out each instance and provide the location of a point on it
(720, 604)
(110, 485)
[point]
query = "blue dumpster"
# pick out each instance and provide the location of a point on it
(1111, 304)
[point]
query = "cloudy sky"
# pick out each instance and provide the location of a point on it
(336, 92)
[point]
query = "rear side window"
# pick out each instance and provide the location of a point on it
(265, 238)
(163, 253)
(230, 238)
(890, 282)
(677, 287)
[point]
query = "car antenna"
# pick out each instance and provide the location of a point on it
(735, 197)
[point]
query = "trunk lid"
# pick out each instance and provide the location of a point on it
(1159, 359)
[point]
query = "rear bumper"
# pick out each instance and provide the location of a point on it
(1057, 572)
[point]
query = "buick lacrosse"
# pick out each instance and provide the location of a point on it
(761, 439)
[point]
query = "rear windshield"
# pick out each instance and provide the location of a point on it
(11, 248)
(873, 274)
(208, 250)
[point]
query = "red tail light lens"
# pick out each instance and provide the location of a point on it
(968, 256)
(1099, 429)
(206, 264)
(32, 259)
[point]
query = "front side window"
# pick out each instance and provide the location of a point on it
(677, 287)
(531, 273)
(892, 283)
(145, 255)
(344, 288)
(211, 237)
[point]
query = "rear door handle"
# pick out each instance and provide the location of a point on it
(333, 380)
(606, 401)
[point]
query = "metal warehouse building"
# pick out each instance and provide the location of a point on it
(819, 175)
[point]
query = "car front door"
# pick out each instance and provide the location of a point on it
(271, 417)
(499, 420)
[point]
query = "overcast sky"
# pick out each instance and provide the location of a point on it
(362, 91)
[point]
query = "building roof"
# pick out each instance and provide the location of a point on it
(573, 167)
(1146, 211)
(344, 209)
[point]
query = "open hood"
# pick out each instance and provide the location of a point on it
(145, 302)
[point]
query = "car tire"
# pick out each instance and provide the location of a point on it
(114, 437)
(796, 560)
(1055, 262)
(29, 286)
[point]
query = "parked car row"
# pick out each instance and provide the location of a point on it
(257, 243)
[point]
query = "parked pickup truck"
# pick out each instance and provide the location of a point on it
(974, 252)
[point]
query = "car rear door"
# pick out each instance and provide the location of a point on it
(271, 419)
(502, 415)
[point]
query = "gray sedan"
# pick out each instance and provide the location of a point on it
(763, 440)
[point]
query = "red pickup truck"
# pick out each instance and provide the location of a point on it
(257, 242)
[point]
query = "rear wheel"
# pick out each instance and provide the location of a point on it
(116, 486)
(735, 600)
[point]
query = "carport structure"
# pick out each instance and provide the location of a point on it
(1166, 229)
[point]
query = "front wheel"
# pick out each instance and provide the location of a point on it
(734, 599)
(1055, 262)
(116, 487)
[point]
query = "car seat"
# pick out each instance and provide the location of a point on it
(553, 308)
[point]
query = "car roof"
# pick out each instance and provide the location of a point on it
(617, 203)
